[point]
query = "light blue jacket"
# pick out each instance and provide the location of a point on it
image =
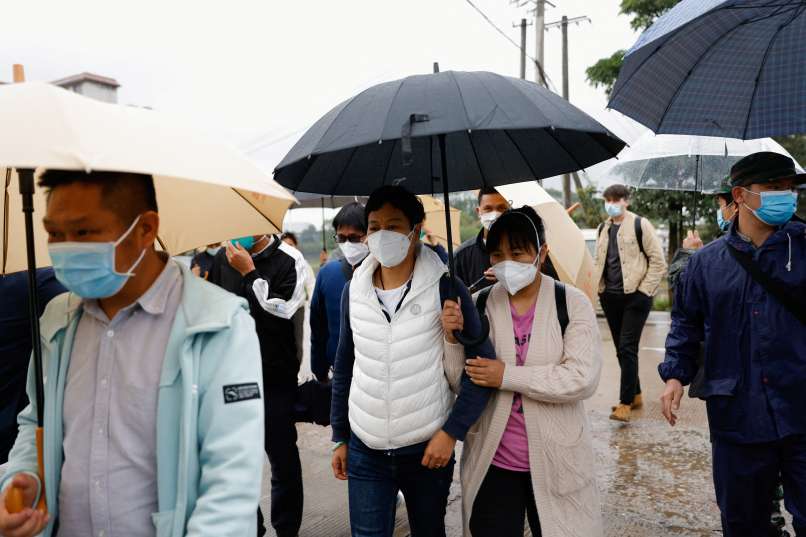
(209, 454)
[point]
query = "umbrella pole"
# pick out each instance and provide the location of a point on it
(26, 182)
(324, 240)
(447, 200)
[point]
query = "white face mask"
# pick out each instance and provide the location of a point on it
(354, 252)
(389, 247)
(487, 219)
(213, 251)
(515, 275)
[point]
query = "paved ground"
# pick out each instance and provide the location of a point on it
(655, 480)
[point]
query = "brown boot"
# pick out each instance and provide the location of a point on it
(637, 402)
(621, 413)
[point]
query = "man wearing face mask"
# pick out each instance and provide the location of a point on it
(153, 414)
(629, 267)
(202, 262)
(270, 275)
(350, 227)
(472, 258)
(394, 415)
(725, 211)
(742, 296)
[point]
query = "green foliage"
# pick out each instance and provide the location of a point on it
(605, 72)
(796, 145)
(644, 12)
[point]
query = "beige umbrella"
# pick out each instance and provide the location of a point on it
(435, 221)
(567, 248)
(207, 192)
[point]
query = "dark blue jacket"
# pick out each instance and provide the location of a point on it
(471, 400)
(15, 346)
(325, 317)
(755, 350)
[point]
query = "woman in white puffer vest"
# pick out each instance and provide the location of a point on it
(530, 456)
(394, 416)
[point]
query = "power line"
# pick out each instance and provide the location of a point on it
(546, 80)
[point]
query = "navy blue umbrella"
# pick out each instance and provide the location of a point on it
(729, 68)
(444, 132)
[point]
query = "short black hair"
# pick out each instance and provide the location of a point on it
(399, 198)
(290, 235)
(351, 215)
(520, 233)
(127, 194)
(617, 192)
(487, 191)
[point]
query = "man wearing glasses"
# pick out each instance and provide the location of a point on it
(351, 231)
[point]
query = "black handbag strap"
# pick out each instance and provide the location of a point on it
(774, 288)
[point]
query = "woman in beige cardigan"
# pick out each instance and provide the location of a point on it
(530, 455)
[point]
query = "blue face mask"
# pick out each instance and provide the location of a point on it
(614, 209)
(723, 224)
(246, 242)
(777, 207)
(88, 268)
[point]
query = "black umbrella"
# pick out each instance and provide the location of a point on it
(443, 132)
(308, 200)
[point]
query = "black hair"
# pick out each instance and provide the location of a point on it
(290, 235)
(519, 226)
(487, 191)
(127, 194)
(399, 198)
(351, 215)
(616, 192)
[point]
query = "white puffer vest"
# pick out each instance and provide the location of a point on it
(399, 394)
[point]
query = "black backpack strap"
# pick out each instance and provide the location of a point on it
(639, 235)
(561, 304)
(599, 230)
(778, 290)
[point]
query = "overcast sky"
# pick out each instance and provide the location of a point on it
(259, 72)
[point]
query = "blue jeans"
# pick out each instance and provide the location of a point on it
(745, 478)
(375, 477)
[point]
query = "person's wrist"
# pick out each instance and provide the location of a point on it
(339, 444)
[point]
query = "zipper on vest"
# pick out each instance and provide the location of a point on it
(389, 388)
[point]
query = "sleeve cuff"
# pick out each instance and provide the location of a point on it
(668, 371)
(455, 429)
(250, 278)
(516, 379)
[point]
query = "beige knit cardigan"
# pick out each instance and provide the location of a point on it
(558, 374)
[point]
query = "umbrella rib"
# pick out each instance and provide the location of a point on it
(269, 220)
(388, 160)
(520, 152)
(798, 12)
(550, 132)
(344, 169)
(699, 60)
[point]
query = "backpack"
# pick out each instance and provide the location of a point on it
(639, 234)
(559, 301)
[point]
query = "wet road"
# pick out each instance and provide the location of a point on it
(655, 479)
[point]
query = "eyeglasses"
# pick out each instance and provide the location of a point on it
(352, 237)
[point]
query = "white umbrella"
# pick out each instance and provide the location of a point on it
(207, 191)
(567, 249)
(435, 221)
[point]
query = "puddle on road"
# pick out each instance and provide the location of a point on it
(657, 476)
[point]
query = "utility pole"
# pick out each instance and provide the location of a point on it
(563, 24)
(523, 26)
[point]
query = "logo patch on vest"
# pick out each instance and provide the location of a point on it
(241, 392)
(416, 309)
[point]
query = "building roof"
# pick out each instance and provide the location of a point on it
(83, 77)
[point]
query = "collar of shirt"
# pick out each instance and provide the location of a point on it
(152, 301)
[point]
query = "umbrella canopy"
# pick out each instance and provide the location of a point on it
(567, 248)
(496, 130)
(435, 221)
(307, 200)
(679, 162)
(729, 68)
(207, 192)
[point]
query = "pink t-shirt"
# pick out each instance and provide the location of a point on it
(513, 451)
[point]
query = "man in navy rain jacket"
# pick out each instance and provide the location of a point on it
(755, 349)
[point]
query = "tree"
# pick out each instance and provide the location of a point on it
(605, 72)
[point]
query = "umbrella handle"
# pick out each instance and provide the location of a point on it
(14, 499)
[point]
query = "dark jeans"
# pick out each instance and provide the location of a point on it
(375, 477)
(626, 315)
(286, 469)
(745, 478)
(503, 500)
